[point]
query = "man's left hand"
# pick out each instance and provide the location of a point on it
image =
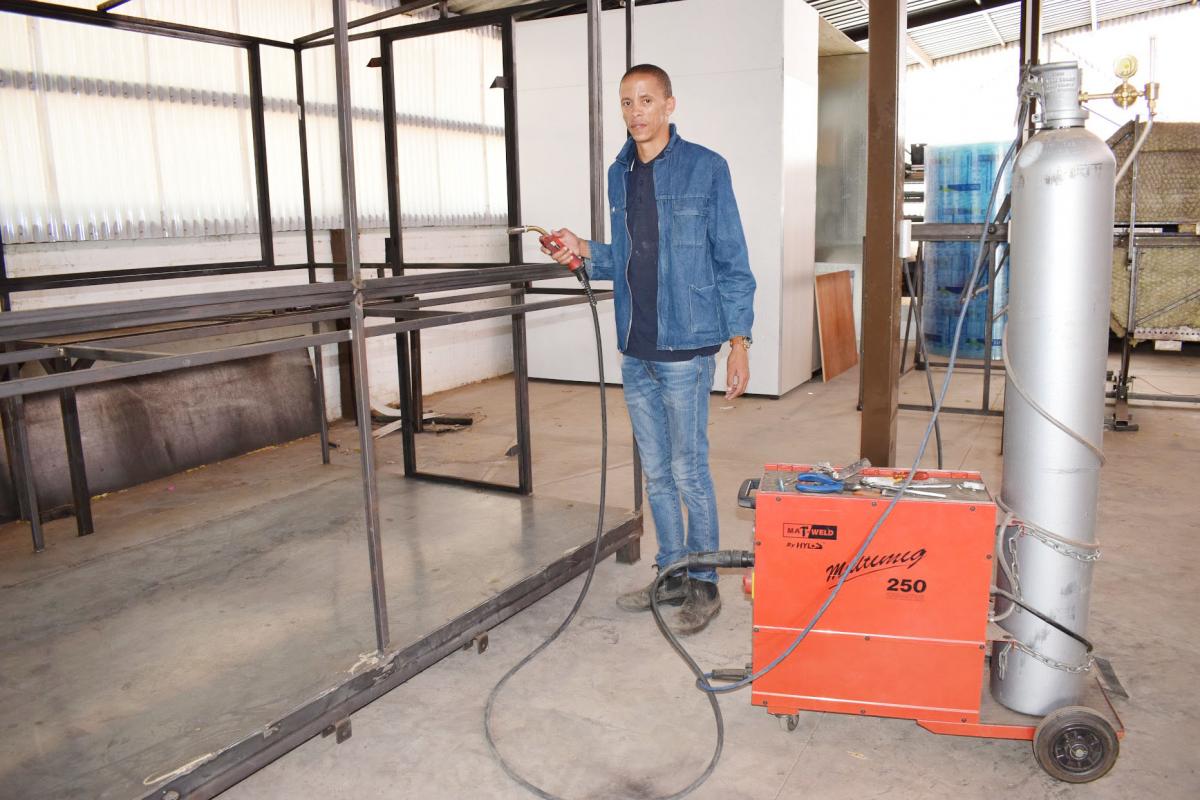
(738, 374)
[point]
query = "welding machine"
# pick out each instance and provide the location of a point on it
(908, 634)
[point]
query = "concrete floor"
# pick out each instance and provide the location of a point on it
(609, 711)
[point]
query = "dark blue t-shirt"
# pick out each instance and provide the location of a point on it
(641, 216)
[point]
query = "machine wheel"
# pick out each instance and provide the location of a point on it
(1075, 744)
(789, 722)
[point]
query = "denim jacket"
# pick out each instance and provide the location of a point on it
(705, 288)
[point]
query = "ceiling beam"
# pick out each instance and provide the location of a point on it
(918, 52)
(1095, 19)
(992, 24)
(951, 10)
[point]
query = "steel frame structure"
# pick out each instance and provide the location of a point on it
(69, 341)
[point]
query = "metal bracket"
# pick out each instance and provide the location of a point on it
(1117, 425)
(341, 729)
(480, 643)
(1109, 675)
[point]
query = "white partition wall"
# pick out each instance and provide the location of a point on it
(745, 79)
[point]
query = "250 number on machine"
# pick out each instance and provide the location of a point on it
(907, 586)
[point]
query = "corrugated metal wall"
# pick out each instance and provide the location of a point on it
(113, 135)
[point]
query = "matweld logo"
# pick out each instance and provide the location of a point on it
(792, 530)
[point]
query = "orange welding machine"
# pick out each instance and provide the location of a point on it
(908, 634)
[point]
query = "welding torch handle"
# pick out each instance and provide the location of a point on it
(554, 244)
(745, 499)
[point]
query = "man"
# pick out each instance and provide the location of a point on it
(682, 287)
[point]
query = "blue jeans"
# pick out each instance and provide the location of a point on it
(668, 406)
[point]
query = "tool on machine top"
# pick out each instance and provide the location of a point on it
(817, 483)
(827, 479)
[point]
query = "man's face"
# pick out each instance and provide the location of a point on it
(645, 107)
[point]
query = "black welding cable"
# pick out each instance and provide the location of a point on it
(1052, 623)
(491, 701)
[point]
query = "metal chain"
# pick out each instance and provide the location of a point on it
(1063, 544)
(1014, 566)
(1080, 669)
(1056, 543)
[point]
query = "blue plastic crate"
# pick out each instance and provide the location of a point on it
(958, 183)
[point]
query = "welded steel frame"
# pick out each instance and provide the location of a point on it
(96, 333)
(81, 501)
(251, 45)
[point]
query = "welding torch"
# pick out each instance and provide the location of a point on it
(554, 244)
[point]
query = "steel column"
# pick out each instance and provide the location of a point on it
(629, 33)
(595, 120)
(1121, 418)
(76, 464)
(310, 250)
(520, 348)
(259, 133)
(358, 341)
(629, 554)
(409, 414)
(881, 256)
(22, 472)
(408, 345)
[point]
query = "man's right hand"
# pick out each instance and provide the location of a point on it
(572, 246)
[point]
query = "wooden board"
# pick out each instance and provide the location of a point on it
(835, 323)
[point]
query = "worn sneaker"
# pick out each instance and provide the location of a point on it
(672, 592)
(703, 602)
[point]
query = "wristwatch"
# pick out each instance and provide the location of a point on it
(744, 341)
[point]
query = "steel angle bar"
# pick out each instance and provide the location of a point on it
(121, 22)
(29, 354)
(465, 21)
(455, 480)
(331, 292)
(207, 329)
(108, 353)
(454, 318)
(403, 8)
(49, 383)
(958, 232)
(991, 412)
(63, 280)
(53, 328)
(400, 311)
(458, 298)
(464, 279)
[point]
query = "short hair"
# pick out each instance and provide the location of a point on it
(654, 71)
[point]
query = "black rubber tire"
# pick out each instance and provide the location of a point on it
(1075, 744)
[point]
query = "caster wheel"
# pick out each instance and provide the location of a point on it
(789, 722)
(1075, 744)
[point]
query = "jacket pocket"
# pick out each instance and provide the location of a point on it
(704, 310)
(689, 222)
